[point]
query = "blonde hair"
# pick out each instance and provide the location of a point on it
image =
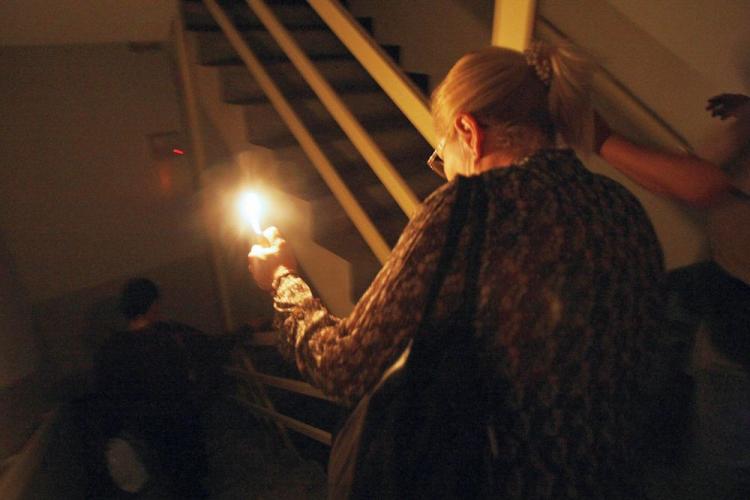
(511, 91)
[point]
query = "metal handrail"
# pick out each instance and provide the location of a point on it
(291, 423)
(343, 194)
(391, 78)
(381, 166)
(246, 371)
(286, 384)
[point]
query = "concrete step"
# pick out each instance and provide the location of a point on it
(396, 142)
(403, 146)
(368, 106)
(342, 72)
(214, 48)
(330, 218)
(328, 131)
(294, 15)
(334, 230)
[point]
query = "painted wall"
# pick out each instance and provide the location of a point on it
(41, 22)
(711, 36)
(18, 349)
(432, 34)
(85, 206)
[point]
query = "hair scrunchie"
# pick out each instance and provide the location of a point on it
(537, 57)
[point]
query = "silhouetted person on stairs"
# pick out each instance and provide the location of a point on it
(145, 374)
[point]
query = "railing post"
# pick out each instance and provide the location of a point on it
(513, 23)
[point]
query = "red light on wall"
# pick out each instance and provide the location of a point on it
(178, 151)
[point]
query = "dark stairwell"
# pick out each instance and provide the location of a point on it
(395, 135)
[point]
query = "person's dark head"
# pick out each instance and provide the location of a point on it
(139, 296)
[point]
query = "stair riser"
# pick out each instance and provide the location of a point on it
(240, 86)
(293, 15)
(214, 47)
(266, 128)
(330, 219)
(395, 144)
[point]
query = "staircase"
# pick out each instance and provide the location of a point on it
(246, 125)
(395, 135)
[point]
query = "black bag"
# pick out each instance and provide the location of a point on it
(422, 432)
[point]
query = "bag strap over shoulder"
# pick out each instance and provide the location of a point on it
(362, 438)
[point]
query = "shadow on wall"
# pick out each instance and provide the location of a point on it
(19, 351)
(743, 58)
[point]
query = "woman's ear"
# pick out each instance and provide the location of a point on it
(470, 133)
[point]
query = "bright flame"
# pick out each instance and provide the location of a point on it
(251, 207)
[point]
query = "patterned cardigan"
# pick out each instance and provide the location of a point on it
(570, 299)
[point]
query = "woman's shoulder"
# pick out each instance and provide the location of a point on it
(437, 203)
(441, 194)
(561, 169)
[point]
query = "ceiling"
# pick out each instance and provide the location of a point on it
(60, 22)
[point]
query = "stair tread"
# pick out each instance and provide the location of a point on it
(303, 25)
(272, 60)
(356, 172)
(305, 182)
(298, 94)
(392, 50)
(329, 131)
(243, 2)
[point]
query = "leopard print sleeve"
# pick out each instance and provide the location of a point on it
(346, 356)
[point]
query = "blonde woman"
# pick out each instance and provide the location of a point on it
(552, 286)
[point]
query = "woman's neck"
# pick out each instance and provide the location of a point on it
(503, 155)
(494, 160)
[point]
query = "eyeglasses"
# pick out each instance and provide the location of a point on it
(435, 162)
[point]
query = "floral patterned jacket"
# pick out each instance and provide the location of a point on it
(570, 300)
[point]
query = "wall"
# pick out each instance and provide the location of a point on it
(41, 22)
(84, 205)
(710, 36)
(18, 350)
(432, 34)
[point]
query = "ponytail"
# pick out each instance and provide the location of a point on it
(568, 75)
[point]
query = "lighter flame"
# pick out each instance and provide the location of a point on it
(250, 207)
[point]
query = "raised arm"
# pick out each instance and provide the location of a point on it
(346, 356)
(687, 178)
